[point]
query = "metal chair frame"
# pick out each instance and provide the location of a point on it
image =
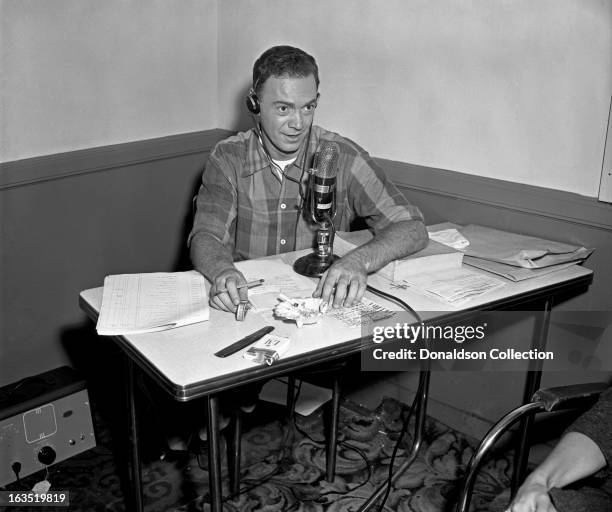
(544, 400)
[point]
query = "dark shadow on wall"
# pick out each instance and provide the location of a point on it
(182, 261)
(98, 360)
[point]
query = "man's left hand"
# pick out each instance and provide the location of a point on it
(344, 282)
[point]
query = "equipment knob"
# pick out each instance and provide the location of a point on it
(46, 455)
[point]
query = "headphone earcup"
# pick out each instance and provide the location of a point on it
(252, 102)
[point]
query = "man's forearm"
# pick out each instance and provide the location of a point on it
(576, 456)
(209, 256)
(395, 241)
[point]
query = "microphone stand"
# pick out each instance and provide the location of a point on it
(316, 263)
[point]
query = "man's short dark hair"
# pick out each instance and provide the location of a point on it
(283, 61)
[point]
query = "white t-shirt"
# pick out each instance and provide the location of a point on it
(280, 165)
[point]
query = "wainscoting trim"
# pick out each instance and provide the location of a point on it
(541, 201)
(50, 167)
(530, 199)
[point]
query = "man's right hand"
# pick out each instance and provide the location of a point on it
(224, 292)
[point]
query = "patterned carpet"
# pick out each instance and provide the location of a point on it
(283, 469)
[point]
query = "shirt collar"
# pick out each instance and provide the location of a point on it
(257, 160)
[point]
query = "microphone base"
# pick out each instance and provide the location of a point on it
(312, 265)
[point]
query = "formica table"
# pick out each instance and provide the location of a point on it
(181, 360)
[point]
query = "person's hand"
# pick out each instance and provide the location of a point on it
(224, 292)
(344, 282)
(532, 496)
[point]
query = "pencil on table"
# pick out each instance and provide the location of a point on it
(249, 284)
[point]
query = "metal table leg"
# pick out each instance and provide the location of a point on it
(333, 431)
(233, 454)
(532, 384)
(214, 454)
(136, 475)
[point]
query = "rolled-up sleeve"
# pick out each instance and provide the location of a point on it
(375, 198)
(215, 204)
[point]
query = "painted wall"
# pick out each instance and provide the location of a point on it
(515, 90)
(86, 73)
(65, 232)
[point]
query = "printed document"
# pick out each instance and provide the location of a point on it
(365, 311)
(455, 287)
(137, 303)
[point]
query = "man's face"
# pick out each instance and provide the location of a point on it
(287, 108)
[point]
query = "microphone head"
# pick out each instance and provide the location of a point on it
(326, 159)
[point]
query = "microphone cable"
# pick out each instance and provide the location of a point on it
(404, 305)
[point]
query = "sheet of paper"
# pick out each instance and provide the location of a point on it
(310, 397)
(136, 303)
(450, 237)
(367, 310)
(278, 278)
(456, 286)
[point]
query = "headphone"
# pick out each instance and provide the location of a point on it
(252, 102)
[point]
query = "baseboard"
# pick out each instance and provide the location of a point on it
(403, 390)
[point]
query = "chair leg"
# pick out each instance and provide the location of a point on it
(332, 438)
(487, 442)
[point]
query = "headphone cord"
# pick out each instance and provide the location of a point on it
(282, 173)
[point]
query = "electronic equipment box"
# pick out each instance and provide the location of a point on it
(44, 419)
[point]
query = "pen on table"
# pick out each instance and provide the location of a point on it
(249, 284)
(244, 342)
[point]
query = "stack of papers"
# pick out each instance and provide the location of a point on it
(455, 287)
(138, 303)
(450, 237)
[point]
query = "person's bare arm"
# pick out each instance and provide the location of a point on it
(214, 261)
(576, 456)
(345, 281)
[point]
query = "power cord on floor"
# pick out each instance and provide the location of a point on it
(406, 422)
(396, 449)
(348, 446)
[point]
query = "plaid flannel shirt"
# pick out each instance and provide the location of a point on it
(247, 207)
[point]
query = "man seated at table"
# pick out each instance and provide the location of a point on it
(251, 200)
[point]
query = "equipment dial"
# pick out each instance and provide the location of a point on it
(46, 455)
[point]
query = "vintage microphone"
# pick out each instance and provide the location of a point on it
(321, 201)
